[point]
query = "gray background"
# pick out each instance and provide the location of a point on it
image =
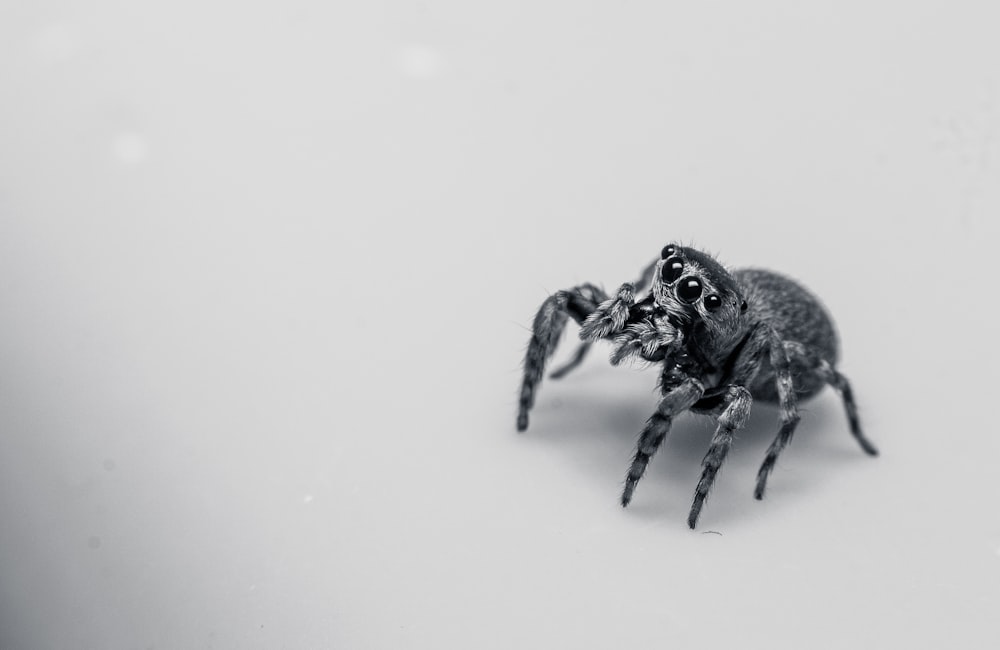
(266, 277)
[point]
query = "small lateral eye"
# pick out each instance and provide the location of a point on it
(744, 306)
(689, 289)
(667, 251)
(671, 270)
(712, 302)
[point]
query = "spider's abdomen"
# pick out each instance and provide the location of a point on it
(796, 315)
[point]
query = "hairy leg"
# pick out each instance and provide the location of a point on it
(578, 303)
(839, 383)
(578, 356)
(644, 281)
(736, 410)
(678, 400)
(789, 412)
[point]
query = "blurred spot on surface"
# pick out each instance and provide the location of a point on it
(130, 148)
(94, 542)
(420, 62)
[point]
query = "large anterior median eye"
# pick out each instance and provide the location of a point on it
(689, 289)
(671, 269)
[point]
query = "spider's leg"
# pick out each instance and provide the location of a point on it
(678, 400)
(842, 386)
(549, 322)
(839, 382)
(789, 412)
(736, 410)
(578, 356)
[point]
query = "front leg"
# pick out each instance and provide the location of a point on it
(676, 401)
(550, 320)
(737, 401)
(763, 342)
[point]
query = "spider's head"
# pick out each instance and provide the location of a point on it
(695, 289)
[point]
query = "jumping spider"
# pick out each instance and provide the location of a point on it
(723, 339)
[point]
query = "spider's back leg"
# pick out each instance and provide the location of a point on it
(842, 386)
(825, 371)
(817, 370)
(789, 412)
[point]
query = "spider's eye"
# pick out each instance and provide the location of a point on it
(667, 251)
(712, 302)
(689, 289)
(744, 306)
(671, 269)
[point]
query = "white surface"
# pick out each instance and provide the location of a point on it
(265, 278)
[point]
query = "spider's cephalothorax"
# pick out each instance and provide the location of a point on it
(723, 339)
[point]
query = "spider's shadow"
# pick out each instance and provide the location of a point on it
(595, 416)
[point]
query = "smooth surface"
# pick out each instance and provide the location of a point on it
(266, 274)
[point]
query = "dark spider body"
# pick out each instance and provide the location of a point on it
(722, 340)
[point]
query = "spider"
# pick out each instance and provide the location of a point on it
(722, 340)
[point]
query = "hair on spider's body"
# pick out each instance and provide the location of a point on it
(722, 339)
